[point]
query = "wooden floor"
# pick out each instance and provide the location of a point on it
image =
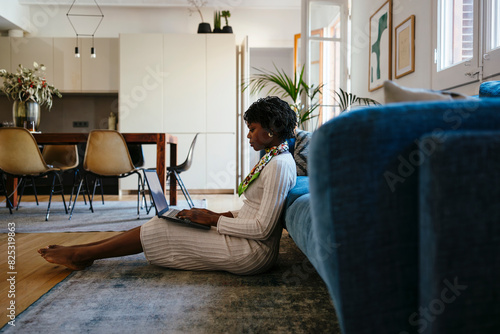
(34, 276)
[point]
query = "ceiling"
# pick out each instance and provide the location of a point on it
(172, 3)
(255, 4)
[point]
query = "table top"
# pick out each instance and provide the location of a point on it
(71, 138)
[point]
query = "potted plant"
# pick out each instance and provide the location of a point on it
(347, 100)
(217, 28)
(227, 29)
(289, 88)
(203, 27)
(29, 91)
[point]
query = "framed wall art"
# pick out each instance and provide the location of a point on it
(405, 47)
(380, 65)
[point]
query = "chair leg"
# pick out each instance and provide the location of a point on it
(139, 182)
(61, 186)
(184, 190)
(144, 200)
(102, 190)
(58, 176)
(72, 188)
(34, 189)
(50, 197)
(76, 197)
(4, 187)
(22, 183)
(96, 180)
(86, 184)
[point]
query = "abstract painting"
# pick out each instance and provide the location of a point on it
(380, 47)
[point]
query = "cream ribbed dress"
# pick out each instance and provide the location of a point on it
(244, 245)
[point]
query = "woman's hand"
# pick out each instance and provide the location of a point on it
(202, 216)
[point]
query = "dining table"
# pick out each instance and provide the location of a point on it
(160, 139)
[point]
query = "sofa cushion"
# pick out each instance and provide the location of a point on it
(489, 89)
(301, 188)
(396, 93)
(298, 218)
(291, 145)
(301, 151)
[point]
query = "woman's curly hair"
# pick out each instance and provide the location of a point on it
(274, 115)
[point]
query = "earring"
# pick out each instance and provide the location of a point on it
(270, 134)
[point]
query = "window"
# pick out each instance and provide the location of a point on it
(325, 53)
(466, 43)
(456, 24)
(491, 56)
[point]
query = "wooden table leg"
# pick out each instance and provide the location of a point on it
(173, 180)
(11, 186)
(161, 161)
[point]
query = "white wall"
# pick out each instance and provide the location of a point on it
(401, 10)
(265, 28)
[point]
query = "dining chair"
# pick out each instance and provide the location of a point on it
(65, 157)
(20, 157)
(107, 156)
(175, 171)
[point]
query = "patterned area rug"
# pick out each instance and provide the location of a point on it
(126, 295)
(112, 216)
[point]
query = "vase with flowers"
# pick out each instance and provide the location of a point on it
(29, 91)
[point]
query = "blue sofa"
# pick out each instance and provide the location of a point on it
(402, 220)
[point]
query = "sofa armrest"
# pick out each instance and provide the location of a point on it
(460, 234)
(363, 169)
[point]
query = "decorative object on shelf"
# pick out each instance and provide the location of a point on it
(203, 27)
(29, 91)
(112, 121)
(405, 47)
(84, 20)
(380, 64)
(290, 89)
(227, 28)
(217, 28)
(347, 100)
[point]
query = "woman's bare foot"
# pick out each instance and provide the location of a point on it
(67, 256)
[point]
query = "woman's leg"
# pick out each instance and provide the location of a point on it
(81, 256)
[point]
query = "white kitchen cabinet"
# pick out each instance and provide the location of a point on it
(221, 161)
(25, 51)
(141, 83)
(221, 92)
(185, 85)
(196, 94)
(66, 72)
(141, 91)
(67, 68)
(100, 74)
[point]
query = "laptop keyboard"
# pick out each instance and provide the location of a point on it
(172, 213)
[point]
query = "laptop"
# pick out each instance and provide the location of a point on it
(161, 205)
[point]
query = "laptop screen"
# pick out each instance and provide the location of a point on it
(156, 191)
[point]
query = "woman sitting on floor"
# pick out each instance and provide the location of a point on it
(241, 242)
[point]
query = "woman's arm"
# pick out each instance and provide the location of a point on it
(203, 216)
